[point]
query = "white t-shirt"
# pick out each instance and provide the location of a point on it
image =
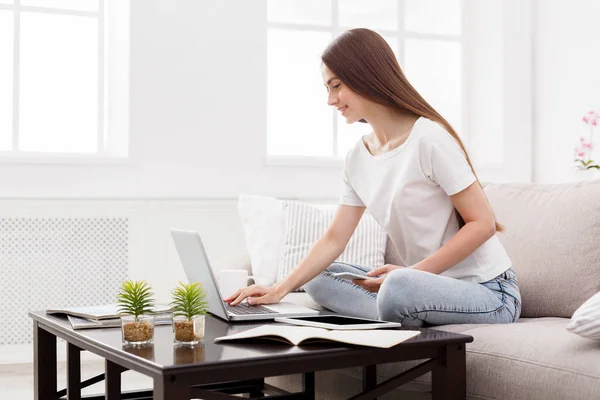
(407, 190)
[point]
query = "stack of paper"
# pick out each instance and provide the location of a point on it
(105, 316)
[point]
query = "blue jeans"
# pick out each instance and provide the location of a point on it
(415, 298)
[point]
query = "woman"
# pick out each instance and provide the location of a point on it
(413, 174)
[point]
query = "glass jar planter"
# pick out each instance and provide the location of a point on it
(188, 331)
(146, 352)
(137, 331)
(188, 354)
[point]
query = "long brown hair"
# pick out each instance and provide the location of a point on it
(363, 61)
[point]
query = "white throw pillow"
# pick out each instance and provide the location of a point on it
(306, 223)
(262, 219)
(586, 320)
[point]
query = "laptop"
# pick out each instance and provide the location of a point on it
(197, 268)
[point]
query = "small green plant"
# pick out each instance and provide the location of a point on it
(188, 300)
(135, 298)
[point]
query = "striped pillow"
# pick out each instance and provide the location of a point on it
(586, 320)
(306, 223)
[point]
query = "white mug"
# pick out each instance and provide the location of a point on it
(232, 280)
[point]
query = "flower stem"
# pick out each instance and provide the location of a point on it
(591, 142)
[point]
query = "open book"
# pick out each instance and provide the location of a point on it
(300, 334)
(106, 311)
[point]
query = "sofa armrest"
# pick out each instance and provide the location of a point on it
(236, 261)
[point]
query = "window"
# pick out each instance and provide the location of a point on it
(426, 36)
(62, 93)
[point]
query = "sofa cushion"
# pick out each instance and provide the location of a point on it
(262, 220)
(535, 358)
(279, 233)
(551, 234)
(531, 359)
(306, 223)
(391, 255)
(586, 319)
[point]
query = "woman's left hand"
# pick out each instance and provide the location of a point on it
(373, 284)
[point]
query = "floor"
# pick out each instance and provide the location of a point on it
(16, 381)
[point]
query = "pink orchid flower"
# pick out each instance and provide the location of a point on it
(584, 144)
(592, 118)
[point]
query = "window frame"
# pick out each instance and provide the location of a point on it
(113, 87)
(337, 161)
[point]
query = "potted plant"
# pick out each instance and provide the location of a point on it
(585, 152)
(189, 310)
(137, 318)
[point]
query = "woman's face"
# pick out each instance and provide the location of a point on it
(347, 102)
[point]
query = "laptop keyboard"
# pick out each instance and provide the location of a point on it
(245, 309)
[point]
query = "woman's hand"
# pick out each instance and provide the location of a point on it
(256, 295)
(373, 285)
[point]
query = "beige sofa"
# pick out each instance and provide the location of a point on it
(552, 233)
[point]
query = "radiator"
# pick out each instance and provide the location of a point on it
(50, 262)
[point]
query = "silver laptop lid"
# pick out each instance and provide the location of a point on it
(197, 268)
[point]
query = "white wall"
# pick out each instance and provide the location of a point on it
(566, 82)
(499, 71)
(198, 79)
(198, 101)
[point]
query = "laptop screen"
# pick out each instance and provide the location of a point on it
(197, 268)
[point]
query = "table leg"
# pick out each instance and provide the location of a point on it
(308, 385)
(44, 365)
(259, 390)
(171, 388)
(369, 377)
(449, 376)
(112, 380)
(73, 372)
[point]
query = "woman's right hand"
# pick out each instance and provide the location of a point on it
(256, 295)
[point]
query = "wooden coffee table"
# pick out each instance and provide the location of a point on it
(215, 371)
